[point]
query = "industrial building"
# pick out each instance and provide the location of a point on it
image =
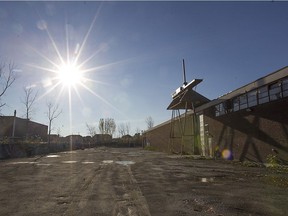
(249, 123)
(19, 128)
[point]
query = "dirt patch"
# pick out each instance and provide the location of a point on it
(109, 181)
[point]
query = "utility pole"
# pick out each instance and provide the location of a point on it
(14, 124)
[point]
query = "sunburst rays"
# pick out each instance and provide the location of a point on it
(54, 83)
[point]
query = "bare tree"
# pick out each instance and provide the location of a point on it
(110, 126)
(121, 129)
(137, 130)
(127, 128)
(59, 131)
(101, 126)
(91, 130)
(107, 126)
(149, 122)
(124, 129)
(52, 114)
(7, 78)
(28, 101)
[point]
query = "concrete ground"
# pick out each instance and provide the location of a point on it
(116, 181)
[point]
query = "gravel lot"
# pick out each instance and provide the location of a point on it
(132, 181)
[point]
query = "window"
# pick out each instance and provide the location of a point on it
(243, 101)
(285, 87)
(263, 96)
(252, 98)
(236, 104)
(275, 91)
(220, 109)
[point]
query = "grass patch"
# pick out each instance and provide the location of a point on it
(150, 148)
(251, 164)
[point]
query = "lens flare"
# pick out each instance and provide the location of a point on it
(227, 154)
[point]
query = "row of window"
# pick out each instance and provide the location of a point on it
(252, 98)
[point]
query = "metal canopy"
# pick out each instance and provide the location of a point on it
(187, 99)
(185, 86)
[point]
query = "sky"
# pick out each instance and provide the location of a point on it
(129, 55)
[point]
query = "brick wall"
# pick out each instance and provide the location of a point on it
(247, 134)
(251, 134)
(167, 137)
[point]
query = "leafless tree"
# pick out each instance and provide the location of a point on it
(91, 130)
(124, 129)
(7, 78)
(101, 126)
(28, 101)
(149, 122)
(110, 126)
(137, 131)
(127, 128)
(59, 131)
(52, 114)
(107, 126)
(121, 129)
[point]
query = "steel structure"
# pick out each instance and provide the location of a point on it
(185, 98)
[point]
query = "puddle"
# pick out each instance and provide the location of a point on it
(107, 161)
(125, 163)
(23, 162)
(70, 152)
(53, 156)
(69, 162)
(207, 179)
(43, 164)
(88, 162)
(157, 168)
(134, 154)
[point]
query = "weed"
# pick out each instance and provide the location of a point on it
(251, 164)
(272, 160)
(150, 148)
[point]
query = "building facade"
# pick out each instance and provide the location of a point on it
(14, 127)
(249, 123)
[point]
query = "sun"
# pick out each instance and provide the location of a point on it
(69, 75)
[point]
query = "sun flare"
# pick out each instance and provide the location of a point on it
(68, 72)
(69, 75)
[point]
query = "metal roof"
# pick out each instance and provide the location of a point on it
(186, 99)
(270, 78)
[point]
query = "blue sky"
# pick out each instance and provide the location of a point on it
(134, 52)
